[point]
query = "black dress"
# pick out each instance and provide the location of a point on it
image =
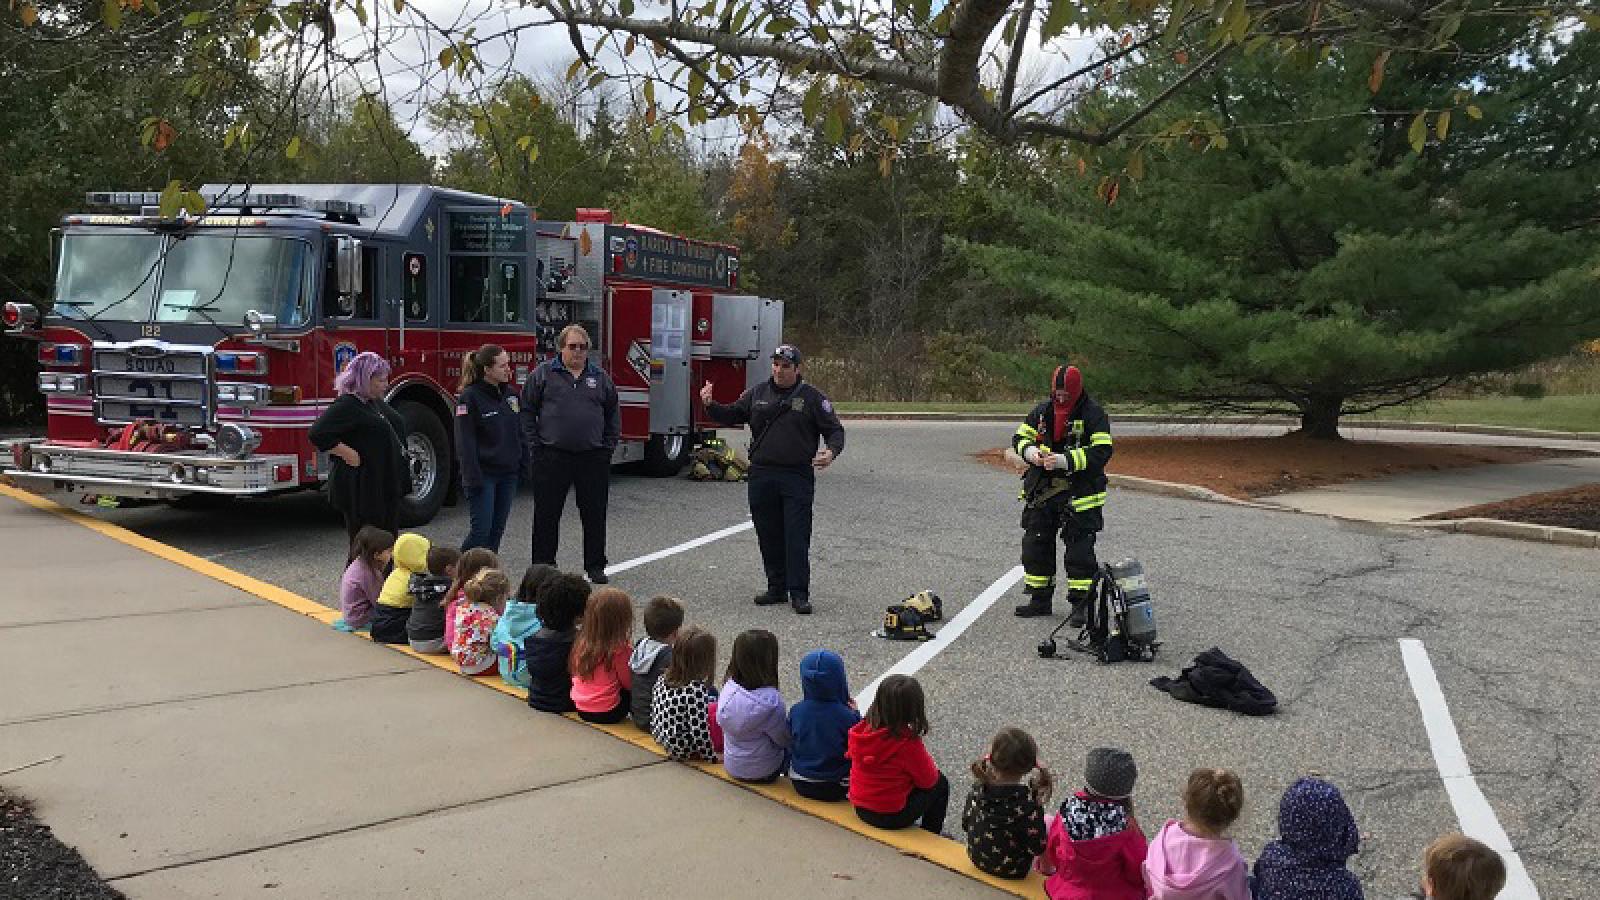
(370, 493)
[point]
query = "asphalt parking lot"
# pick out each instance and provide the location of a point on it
(1315, 607)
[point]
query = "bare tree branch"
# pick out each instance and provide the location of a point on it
(1018, 42)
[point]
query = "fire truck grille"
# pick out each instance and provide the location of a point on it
(160, 383)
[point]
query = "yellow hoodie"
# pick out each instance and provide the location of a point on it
(410, 557)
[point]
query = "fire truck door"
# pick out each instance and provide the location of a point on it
(670, 312)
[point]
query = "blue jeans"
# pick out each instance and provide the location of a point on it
(488, 507)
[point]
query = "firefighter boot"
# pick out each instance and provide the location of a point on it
(800, 602)
(1080, 608)
(1038, 604)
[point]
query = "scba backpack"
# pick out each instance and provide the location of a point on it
(1121, 623)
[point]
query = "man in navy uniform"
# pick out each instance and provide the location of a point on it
(787, 417)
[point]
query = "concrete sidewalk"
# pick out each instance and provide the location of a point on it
(1403, 498)
(204, 743)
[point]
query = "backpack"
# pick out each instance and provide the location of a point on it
(513, 627)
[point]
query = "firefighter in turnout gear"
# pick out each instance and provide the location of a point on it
(1066, 442)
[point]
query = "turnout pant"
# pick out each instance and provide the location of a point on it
(1077, 530)
(780, 504)
(554, 472)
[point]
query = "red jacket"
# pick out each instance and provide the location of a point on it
(884, 767)
(1106, 868)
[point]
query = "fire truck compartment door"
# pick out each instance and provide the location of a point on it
(736, 327)
(670, 314)
(770, 336)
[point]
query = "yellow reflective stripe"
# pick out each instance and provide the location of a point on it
(1080, 459)
(1079, 504)
(1027, 431)
(1080, 584)
(1038, 580)
(1099, 438)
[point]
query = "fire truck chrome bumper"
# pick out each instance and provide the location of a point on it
(83, 470)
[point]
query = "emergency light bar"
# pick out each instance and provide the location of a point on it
(216, 199)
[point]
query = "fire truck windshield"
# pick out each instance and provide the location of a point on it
(202, 277)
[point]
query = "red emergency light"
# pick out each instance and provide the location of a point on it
(19, 315)
(592, 214)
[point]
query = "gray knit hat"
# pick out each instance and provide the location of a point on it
(1110, 773)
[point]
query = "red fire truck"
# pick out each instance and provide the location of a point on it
(188, 356)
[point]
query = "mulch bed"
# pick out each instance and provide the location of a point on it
(36, 866)
(1258, 467)
(1577, 507)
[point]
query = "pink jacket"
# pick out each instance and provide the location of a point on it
(1106, 868)
(603, 688)
(1181, 866)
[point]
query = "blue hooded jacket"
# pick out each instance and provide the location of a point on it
(1316, 834)
(820, 722)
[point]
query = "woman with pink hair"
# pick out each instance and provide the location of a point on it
(365, 441)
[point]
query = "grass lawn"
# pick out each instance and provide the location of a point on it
(1569, 412)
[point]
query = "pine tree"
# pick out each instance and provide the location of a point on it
(1322, 269)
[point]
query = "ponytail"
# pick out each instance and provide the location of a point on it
(475, 362)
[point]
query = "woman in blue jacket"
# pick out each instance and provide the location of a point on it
(489, 443)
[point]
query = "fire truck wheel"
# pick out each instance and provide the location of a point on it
(665, 455)
(428, 450)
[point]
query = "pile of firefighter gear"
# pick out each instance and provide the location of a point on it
(713, 460)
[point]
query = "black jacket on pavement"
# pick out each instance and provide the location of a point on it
(1217, 680)
(489, 439)
(373, 490)
(784, 424)
(1005, 828)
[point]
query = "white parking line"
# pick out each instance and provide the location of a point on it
(919, 657)
(687, 545)
(1472, 808)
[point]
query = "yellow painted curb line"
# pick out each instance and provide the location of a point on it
(940, 851)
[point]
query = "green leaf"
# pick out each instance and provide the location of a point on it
(1180, 11)
(193, 203)
(596, 79)
(171, 199)
(1418, 135)
(833, 129)
(252, 48)
(811, 105)
(920, 9)
(891, 124)
(229, 136)
(1448, 30)
(1238, 21)
(533, 153)
(154, 7)
(724, 71)
(1057, 21)
(447, 57)
(626, 8)
(650, 91)
(696, 84)
(399, 6)
(111, 14)
(572, 70)
(196, 18)
(293, 150)
(1474, 112)
(361, 13)
(1441, 125)
(781, 26)
(1136, 166)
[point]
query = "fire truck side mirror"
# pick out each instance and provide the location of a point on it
(260, 322)
(347, 261)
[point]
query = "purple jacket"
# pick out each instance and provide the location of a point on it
(358, 590)
(755, 730)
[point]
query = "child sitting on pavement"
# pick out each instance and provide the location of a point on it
(1004, 815)
(680, 708)
(475, 618)
(467, 568)
(425, 625)
(1316, 835)
(394, 601)
(894, 782)
(1095, 850)
(358, 587)
(548, 651)
(520, 619)
(1456, 867)
(820, 725)
(601, 679)
(751, 713)
(663, 616)
(1195, 859)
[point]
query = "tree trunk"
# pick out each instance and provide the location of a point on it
(1319, 416)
